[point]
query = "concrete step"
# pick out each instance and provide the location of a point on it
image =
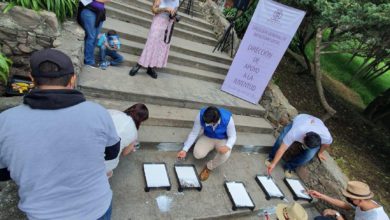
(142, 11)
(212, 202)
(168, 89)
(193, 34)
(170, 116)
(179, 70)
(147, 14)
(147, 5)
(178, 58)
(150, 135)
(181, 45)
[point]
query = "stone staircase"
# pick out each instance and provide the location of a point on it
(191, 80)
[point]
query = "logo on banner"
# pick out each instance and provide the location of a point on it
(276, 16)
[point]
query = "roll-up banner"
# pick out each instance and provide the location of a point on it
(269, 33)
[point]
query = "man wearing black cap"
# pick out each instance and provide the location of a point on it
(306, 129)
(55, 143)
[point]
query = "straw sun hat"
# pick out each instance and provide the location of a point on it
(293, 211)
(358, 190)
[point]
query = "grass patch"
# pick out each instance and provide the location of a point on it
(337, 66)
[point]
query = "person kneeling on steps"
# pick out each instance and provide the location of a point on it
(219, 133)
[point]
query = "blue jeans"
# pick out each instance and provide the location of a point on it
(304, 157)
(88, 19)
(116, 57)
(107, 215)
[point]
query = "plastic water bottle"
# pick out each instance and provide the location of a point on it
(265, 213)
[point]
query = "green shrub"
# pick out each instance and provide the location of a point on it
(62, 8)
(5, 64)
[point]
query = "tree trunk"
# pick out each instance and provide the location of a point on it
(318, 76)
(379, 107)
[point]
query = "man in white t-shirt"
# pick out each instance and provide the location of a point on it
(358, 195)
(308, 130)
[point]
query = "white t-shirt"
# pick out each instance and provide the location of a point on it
(127, 131)
(303, 124)
(373, 214)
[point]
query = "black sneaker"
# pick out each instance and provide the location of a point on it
(134, 70)
(151, 73)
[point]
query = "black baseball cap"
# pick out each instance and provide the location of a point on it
(57, 57)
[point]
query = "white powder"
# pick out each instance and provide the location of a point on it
(164, 203)
(187, 176)
(156, 175)
(270, 186)
(239, 194)
(298, 188)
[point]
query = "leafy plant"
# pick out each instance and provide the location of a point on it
(62, 8)
(5, 64)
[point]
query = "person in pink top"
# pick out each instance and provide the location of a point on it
(155, 53)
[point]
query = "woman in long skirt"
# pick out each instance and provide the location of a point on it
(155, 53)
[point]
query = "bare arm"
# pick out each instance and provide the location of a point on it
(336, 202)
(103, 1)
(157, 10)
(279, 154)
(321, 151)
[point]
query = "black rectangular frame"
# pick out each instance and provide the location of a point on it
(267, 195)
(235, 207)
(147, 189)
(295, 196)
(180, 187)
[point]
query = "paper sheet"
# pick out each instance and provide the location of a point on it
(156, 175)
(270, 186)
(239, 194)
(298, 188)
(187, 176)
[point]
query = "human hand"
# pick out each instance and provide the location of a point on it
(223, 149)
(329, 212)
(321, 156)
(171, 11)
(315, 194)
(270, 168)
(181, 154)
(130, 148)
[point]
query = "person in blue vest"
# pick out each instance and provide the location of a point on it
(218, 132)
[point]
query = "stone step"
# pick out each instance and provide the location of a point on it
(147, 5)
(179, 70)
(174, 138)
(168, 89)
(170, 116)
(139, 34)
(212, 202)
(178, 58)
(142, 11)
(147, 14)
(192, 34)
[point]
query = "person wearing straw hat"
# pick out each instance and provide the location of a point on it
(294, 211)
(359, 197)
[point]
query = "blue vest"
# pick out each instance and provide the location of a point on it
(220, 131)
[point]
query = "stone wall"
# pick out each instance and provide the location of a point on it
(214, 16)
(23, 31)
(325, 176)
